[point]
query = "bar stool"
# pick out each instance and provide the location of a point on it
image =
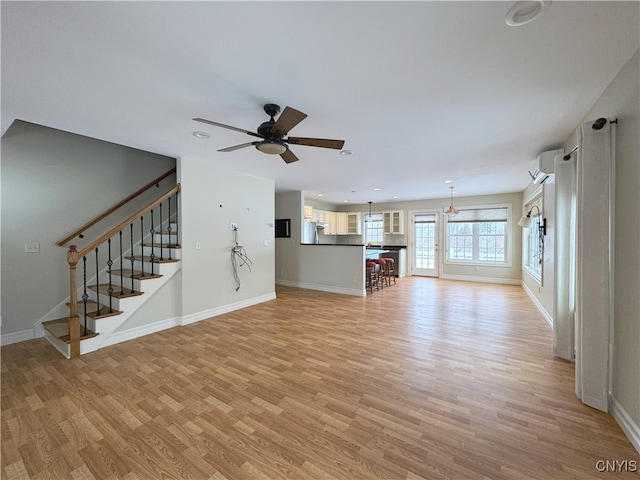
(382, 278)
(372, 276)
(389, 269)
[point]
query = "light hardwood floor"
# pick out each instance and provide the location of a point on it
(425, 379)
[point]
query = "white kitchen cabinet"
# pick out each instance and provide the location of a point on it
(354, 223)
(393, 222)
(332, 225)
(341, 223)
(308, 212)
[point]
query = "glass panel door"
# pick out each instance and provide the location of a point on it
(425, 244)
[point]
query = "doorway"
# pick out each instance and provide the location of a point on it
(424, 244)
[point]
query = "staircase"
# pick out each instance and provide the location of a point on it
(113, 276)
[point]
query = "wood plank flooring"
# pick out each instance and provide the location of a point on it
(427, 379)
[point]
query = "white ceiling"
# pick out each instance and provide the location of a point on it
(422, 92)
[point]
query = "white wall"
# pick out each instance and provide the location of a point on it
(211, 199)
(52, 183)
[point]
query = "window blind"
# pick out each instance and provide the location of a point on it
(499, 214)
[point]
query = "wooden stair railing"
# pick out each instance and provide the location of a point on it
(109, 211)
(74, 256)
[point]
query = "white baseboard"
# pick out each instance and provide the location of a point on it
(468, 278)
(136, 332)
(323, 288)
(628, 426)
(196, 317)
(17, 337)
(548, 318)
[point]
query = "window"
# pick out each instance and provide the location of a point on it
(478, 236)
(373, 228)
(533, 251)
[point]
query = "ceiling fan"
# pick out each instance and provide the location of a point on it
(272, 133)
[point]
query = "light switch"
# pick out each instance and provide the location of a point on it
(32, 247)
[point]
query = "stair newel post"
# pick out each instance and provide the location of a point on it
(74, 321)
(110, 264)
(169, 227)
(132, 257)
(141, 243)
(153, 244)
(121, 265)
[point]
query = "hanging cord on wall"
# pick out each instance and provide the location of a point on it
(238, 253)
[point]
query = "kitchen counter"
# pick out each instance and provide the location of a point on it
(334, 244)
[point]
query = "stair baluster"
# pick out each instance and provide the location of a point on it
(85, 295)
(153, 235)
(169, 226)
(176, 220)
(121, 265)
(141, 243)
(161, 257)
(132, 257)
(110, 264)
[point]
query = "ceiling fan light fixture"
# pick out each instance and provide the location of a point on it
(272, 147)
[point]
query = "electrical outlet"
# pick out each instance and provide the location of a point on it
(234, 226)
(32, 247)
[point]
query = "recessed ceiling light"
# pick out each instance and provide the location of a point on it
(345, 201)
(376, 189)
(524, 12)
(346, 152)
(448, 181)
(395, 196)
(201, 134)
(320, 195)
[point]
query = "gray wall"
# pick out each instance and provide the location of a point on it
(211, 200)
(621, 100)
(52, 183)
(510, 274)
(331, 268)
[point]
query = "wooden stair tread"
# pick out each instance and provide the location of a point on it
(104, 290)
(147, 258)
(59, 328)
(95, 310)
(137, 274)
(161, 245)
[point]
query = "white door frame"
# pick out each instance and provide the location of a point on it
(412, 242)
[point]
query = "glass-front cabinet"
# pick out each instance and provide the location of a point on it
(393, 222)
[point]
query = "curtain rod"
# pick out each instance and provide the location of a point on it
(597, 125)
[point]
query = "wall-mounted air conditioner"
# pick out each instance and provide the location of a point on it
(546, 165)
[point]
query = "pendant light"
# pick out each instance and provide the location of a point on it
(451, 211)
(369, 219)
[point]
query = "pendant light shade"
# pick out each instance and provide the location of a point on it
(369, 218)
(451, 211)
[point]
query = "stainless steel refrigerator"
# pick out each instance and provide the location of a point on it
(309, 232)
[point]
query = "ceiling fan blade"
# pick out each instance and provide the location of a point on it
(316, 142)
(289, 156)
(216, 124)
(288, 119)
(237, 147)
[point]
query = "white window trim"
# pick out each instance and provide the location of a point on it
(508, 263)
(535, 274)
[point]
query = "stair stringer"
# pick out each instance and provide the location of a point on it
(105, 327)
